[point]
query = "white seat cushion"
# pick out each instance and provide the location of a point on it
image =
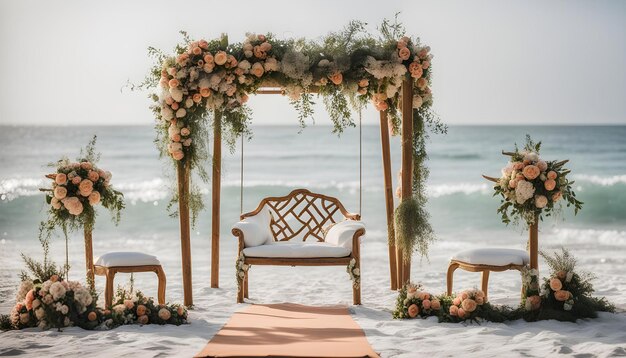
(112, 259)
(286, 249)
(493, 257)
(341, 233)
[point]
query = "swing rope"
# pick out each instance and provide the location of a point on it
(360, 169)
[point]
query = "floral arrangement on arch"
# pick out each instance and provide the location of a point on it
(210, 81)
(412, 302)
(77, 188)
(530, 186)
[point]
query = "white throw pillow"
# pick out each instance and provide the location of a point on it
(262, 220)
(342, 232)
(253, 234)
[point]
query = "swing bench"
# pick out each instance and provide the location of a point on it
(276, 233)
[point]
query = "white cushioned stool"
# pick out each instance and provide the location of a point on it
(113, 262)
(485, 261)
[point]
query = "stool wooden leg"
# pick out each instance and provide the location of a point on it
(450, 277)
(108, 289)
(484, 282)
(245, 284)
(162, 283)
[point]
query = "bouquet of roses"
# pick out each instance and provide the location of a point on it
(530, 186)
(413, 301)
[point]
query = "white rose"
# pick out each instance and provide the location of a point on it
(177, 94)
(532, 156)
(39, 313)
(180, 113)
(244, 65)
(524, 191)
(57, 290)
(417, 101)
(188, 102)
(167, 113)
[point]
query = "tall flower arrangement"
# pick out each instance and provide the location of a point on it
(77, 189)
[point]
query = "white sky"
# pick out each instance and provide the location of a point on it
(496, 62)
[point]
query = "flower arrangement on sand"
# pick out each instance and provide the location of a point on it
(77, 189)
(530, 186)
(413, 302)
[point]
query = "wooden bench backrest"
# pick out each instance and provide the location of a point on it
(302, 213)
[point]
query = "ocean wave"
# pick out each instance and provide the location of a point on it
(587, 236)
(599, 180)
(439, 190)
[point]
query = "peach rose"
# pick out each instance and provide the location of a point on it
(542, 165)
(54, 278)
(415, 69)
(203, 44)
(261, 37)
(220, 58)
(129, 304)
(531, 172)
(169, 100)
(550, 184)
(479, 293)
(534, 302)
(175, 137)
(435, 304)
(461, 313)
(30, 297)
(562, 295)
(175, 105)
(205, 92)
(93, 176)
(173, 83)
(86, 165)
(208, 58)
(421, 82)
(556, 196)
(469, 305)
(196, 50)
(266, 46)
(454, 311)
(178, 155)
(364, 82)
(197, 97)
(141, 310)
(55, 203)
(555, 284)
(561, 275)
(423, 295)
(425, 65)
(257, 69)
(232, 61)
(464, 295)
(404, 53)
(336, 78)
(180, 310)
(518, 165)
(92, 316)
(552, 174)
(143, 319)
(182, 59)
(362, 91)
(401, 44)
(480, 300)
(541, 201)
(456, 301)
(94, 198)
(513, 183)
(381, 106)
(164, 314)
(259, 53)
(185, 131)
(60, 179)
(413, 310)
(85, 187)
(60, 192)
(426, 304)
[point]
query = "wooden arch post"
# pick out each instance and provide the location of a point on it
(384, 141)
(215, 202)
(404, 258)
(183, 171)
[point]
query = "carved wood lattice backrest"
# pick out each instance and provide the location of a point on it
(302, 214)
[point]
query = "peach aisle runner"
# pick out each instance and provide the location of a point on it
(289, 330)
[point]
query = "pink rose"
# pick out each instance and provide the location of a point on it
(143, 319)
(203, 44)
(531, 172)
(556, 196)
(60, 192)
(185, 132)
(93, 176)
(187, 142)
(404, 53)
(549, 184)
(54, 278)
(60, 179)
(469, 305)
(555, 284)
(413, 310)
(480, 294)
(461, 313)
(435, 304)
(464, 295)
(562, 295)
(541, 201)
(129, 304)
(454, 311)
(426, 304)
(552, 174)
(542, 165)
(220, 58)
(401, 44)
(94, 198)
(164, 314)
(178, 155)
(534, 302)
(416, 70)
(180, 310)
(85, 187)
(336, 78)
(422, 83)
(76, 180)
(456, 301)
(425, 65)
(480, 300)
(518, 165)
(257, 69)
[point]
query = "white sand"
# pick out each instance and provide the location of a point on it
(604, 337)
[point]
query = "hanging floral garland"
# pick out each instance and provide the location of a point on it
(208, 80)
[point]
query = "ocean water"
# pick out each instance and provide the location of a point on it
(279, 159)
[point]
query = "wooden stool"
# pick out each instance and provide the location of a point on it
(113, 262)
(485, 261)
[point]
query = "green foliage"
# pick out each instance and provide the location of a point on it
(41, 271)
(413, 231)
(5, 322)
